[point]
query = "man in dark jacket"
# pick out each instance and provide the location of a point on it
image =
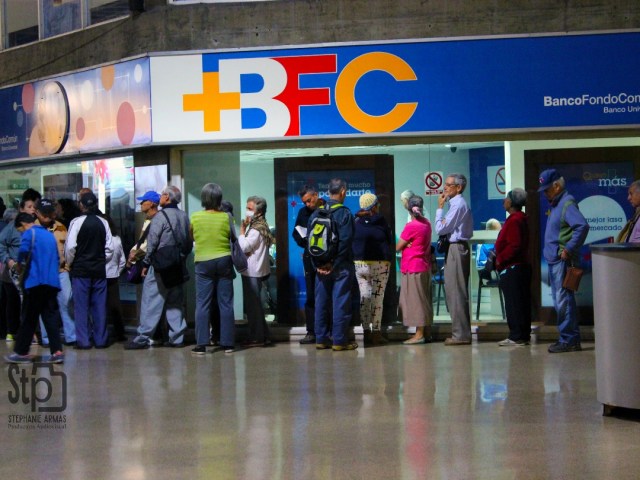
(311, 201)
(336, 277)
(87, 250)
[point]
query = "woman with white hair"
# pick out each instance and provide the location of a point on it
(512, 263)
(415, 265)
(372, 242)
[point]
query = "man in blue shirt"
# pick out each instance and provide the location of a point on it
(457, 225)
(566, 232)
(39, 255)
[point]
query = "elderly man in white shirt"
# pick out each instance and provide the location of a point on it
(457, 225)
(255, 239)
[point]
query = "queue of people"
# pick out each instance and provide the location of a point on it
(347, 260)
(45, 266)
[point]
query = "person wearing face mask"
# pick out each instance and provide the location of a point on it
(255, 239)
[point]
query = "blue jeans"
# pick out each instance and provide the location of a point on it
(215, 277)
(564, 303)
(64, 300)
(90, 295)
(334, 289)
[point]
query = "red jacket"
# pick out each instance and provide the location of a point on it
(512, 245)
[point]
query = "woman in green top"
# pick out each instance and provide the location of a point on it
(210, 230)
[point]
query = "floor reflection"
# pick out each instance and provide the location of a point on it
(291, 412)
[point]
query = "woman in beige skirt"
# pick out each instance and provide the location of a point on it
(415, 265)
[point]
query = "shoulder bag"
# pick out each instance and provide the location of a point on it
(168, 263)
(238, 257)
(134, 272)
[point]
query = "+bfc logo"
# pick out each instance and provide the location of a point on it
(266, 94)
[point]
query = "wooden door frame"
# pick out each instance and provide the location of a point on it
(381, 164)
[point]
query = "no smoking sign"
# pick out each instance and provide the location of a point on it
(433, 183)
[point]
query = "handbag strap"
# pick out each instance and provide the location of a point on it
(232, 229)
(175, 238)
(143, 237)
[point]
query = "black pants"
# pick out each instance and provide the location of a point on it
(516, 287)
(11, 305)
(309, 305)
(40, 301)
(114, 307)
(252, 289)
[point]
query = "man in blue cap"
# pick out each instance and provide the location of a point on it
(149, 204)
(566, 232)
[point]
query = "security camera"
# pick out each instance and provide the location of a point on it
(454, 149)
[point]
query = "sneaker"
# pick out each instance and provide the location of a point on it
(323, 346)
(57, 357)
(10, 338)
(308, 339)
(342, 348)
(229, 349)
(507, 342)
(199, 350)
(15, 358)
(135, 346)
(562, 347)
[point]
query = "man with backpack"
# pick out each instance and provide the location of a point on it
(331, 229)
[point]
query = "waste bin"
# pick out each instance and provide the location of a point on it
(616, 305)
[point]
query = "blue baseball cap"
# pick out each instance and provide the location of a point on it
(547, 178)
(150, 196)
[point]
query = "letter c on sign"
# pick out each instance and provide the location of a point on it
(345, 93)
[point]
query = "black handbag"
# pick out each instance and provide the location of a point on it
(443, 244)
(168, 262)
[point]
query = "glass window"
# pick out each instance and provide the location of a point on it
(21, 22)
(60, 16)
(103, 10)
(420, 168)
(111, 179)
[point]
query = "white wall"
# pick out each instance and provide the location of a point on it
(409, 170)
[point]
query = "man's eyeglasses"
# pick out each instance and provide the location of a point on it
(449, 184)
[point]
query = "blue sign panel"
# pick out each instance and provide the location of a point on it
(465, 85)
(358, 183)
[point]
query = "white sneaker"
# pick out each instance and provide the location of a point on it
(507, 342)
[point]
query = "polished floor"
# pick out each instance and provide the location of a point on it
(291, 412)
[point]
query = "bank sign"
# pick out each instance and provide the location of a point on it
(464, 85)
